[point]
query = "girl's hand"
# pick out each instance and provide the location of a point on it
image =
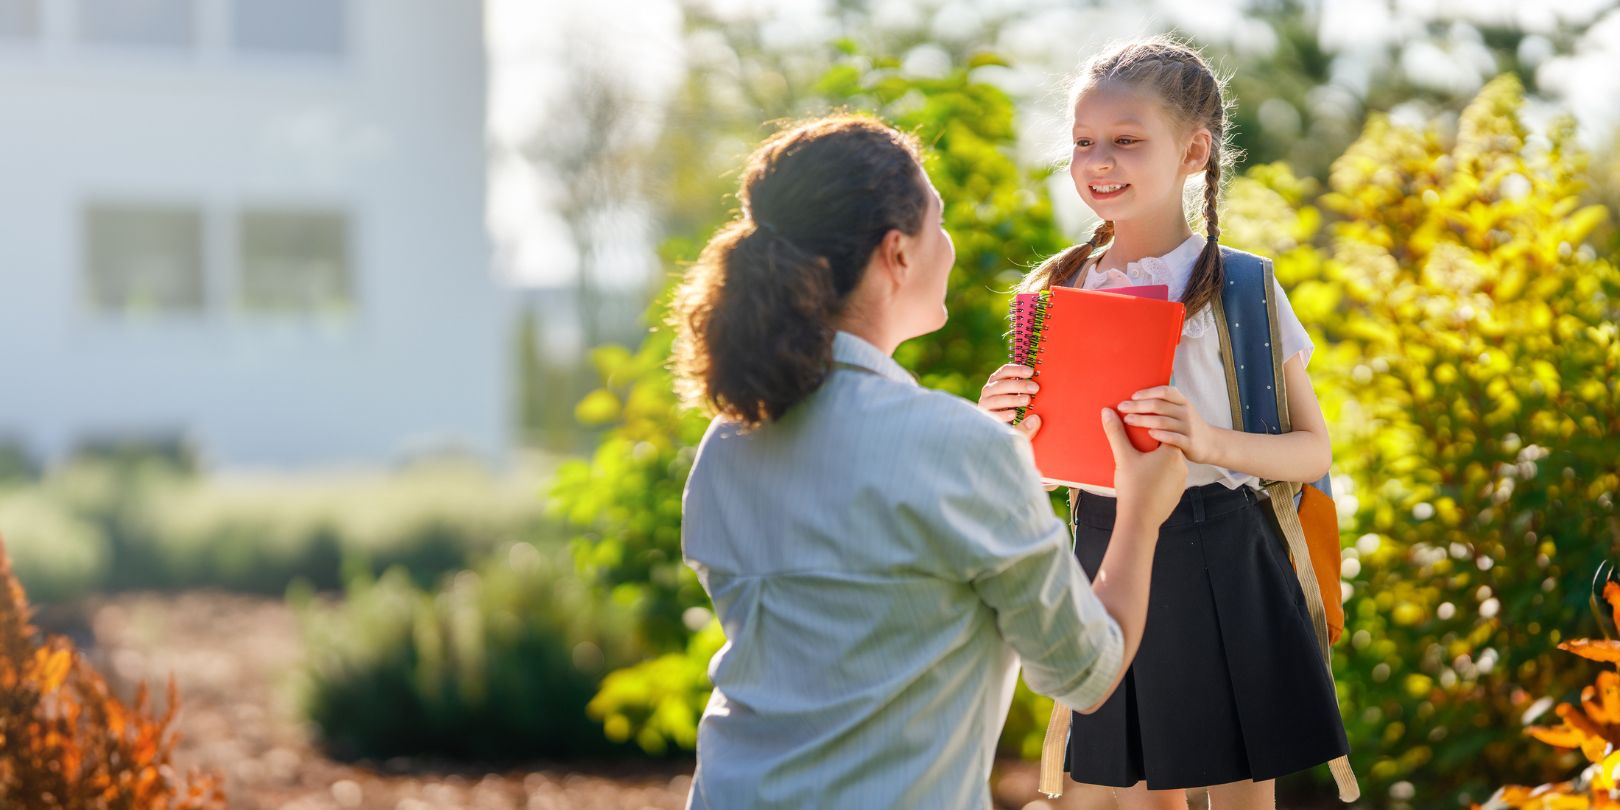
(1171, 419)
(1008, 389)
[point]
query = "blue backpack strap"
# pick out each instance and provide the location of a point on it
(1252, 348)
(1248, 330)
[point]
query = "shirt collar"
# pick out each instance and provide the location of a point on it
(851, 350)
(1185, 255)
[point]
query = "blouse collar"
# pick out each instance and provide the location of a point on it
(1173, 269)
(853, 351)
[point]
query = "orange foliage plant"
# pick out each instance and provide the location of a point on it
(1593, 728)
(66, 743)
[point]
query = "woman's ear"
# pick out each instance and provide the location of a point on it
(1198, 152)
(893, 259)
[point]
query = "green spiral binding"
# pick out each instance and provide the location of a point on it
(1028, 326)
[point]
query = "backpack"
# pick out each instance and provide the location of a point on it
(1259, 399)
(1304, 514)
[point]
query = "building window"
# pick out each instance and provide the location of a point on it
(294, 262)
(143, 259)
(19, 20)
(138, 23)
(314, 27)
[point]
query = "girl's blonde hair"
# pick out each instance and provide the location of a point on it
(1194, 96)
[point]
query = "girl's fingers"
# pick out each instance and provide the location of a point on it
(1161, 407)
(1012, 371)
(1009, 386)
(1006, 415)
(1172, 438)
(1156, 422)
(1164, 392)
(1004, 401)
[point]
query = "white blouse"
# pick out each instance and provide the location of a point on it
(1198, 372)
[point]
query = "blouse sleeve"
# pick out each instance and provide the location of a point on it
(988, 522)
(1295, 340)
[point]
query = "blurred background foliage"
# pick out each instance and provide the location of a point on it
(1461, 285)
(1448, 244)
(102, 524)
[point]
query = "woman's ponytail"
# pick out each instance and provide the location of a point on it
(756, 315)
(761, 309)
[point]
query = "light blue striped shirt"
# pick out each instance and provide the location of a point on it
(880, 558)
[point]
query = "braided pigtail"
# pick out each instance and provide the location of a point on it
(1058, 270)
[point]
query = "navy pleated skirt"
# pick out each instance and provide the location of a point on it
(1228, 684)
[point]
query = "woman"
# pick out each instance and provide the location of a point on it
(880, 555)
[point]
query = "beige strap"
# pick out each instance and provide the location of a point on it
(1217, 306)
(1057, 738)
(1343, 776)
(1282, 495)
(1057, 727)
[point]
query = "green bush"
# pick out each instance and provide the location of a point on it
(498, 664)
(133, 524)
(661, 699)
(16, 463)
(57, 555)
(256, 534)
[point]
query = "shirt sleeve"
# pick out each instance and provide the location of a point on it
(1295, 340)
(994, 523)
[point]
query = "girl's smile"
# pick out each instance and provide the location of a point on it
(1103, 192)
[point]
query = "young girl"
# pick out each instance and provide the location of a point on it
(1228, 690)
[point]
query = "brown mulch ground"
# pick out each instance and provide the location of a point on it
(232, 656)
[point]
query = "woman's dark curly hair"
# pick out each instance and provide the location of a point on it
(755, 316)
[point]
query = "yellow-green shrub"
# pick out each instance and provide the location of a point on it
(1468, 358)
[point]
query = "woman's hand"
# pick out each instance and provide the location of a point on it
(1008, 389)
(1148, 485)
(1171, 419)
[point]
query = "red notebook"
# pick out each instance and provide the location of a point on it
(1091, 349)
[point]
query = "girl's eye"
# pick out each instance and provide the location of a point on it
(1125, 141)
(1083, 142)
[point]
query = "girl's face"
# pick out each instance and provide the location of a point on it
(1130, 161)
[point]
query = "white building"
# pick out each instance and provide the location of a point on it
(254, 224)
